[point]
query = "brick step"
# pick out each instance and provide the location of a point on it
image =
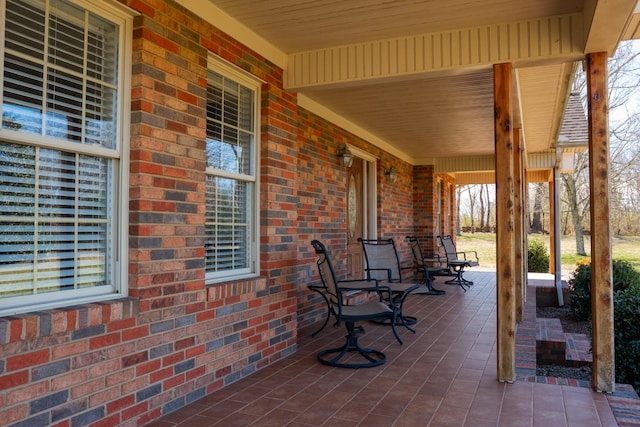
(624, 404)
(554, 346)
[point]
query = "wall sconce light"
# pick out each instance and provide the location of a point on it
(391, 174)
(345, 156)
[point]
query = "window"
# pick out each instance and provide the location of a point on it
(62, 161)
(231, 212)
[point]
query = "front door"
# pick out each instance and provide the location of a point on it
(355, 219)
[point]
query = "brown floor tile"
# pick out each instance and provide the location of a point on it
(444, 375)
(449, 416)
(275, 418)
(547, 418)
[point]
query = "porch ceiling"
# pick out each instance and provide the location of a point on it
(415, 76)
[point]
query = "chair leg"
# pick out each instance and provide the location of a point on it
(458, 279)
(429, 282)
(373, 357)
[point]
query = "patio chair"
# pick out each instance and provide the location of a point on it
(376, 309)
(383, 264)
(458, 261)
(429, 265)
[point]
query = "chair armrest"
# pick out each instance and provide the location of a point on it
(364, 285)
(369, 270)
(357, 284)
(464, 254)
(435, 259)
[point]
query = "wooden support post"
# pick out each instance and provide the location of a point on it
(505, 259)
(519, 250)
(601, 268)
(525, 219)
(552, 229)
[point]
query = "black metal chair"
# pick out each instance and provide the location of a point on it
(383, 264)
(428, 266)
(351, 354)
(457, 262)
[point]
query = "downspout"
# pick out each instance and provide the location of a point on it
(556, 225)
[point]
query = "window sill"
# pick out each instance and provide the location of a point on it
(46, 323)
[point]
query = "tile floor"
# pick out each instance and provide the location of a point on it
(444, 375)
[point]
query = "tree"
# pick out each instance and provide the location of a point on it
(624, 137)
(540, 194)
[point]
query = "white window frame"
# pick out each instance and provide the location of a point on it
(227, 70)
(117, 286)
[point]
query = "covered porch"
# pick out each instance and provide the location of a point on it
(445, 374)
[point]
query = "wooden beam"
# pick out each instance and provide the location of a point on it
(519, 249)
(505, 259)
(601, 268)
(552, 228)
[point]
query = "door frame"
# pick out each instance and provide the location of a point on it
(370, 179)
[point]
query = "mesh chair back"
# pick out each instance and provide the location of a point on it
(449, 248)
(417, 251)
(327, 275)
(382, 260)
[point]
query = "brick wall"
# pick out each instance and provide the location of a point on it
(424, 198)
(322, 203)
(174, 340)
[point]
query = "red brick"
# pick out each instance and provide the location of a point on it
(70, 349)
(68, 380)
(195, 373)
(134, 359)
(15, 333)
(14, 380)
(184, 343)
(27, 393)
(104, 396)
(119, 377)
(14, 414)
(27, 360)
(172, 359)
(134, 411)
(161, 375)
(194, 351)
(173, 382)
(145, 368)
(104, 340)
(87, 389)
(104, 368)
(119, 404)
(151, 415)
(121, 324)
(113, 420)
(136, 384)
(135, 333)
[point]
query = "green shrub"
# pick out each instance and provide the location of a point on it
(538, 257)
(627, 336)
(626, 309)
(580, 290)
(624, 277)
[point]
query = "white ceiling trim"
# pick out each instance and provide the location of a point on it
(558, 37)
(606, 23)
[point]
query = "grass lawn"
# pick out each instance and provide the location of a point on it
(624, 247)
